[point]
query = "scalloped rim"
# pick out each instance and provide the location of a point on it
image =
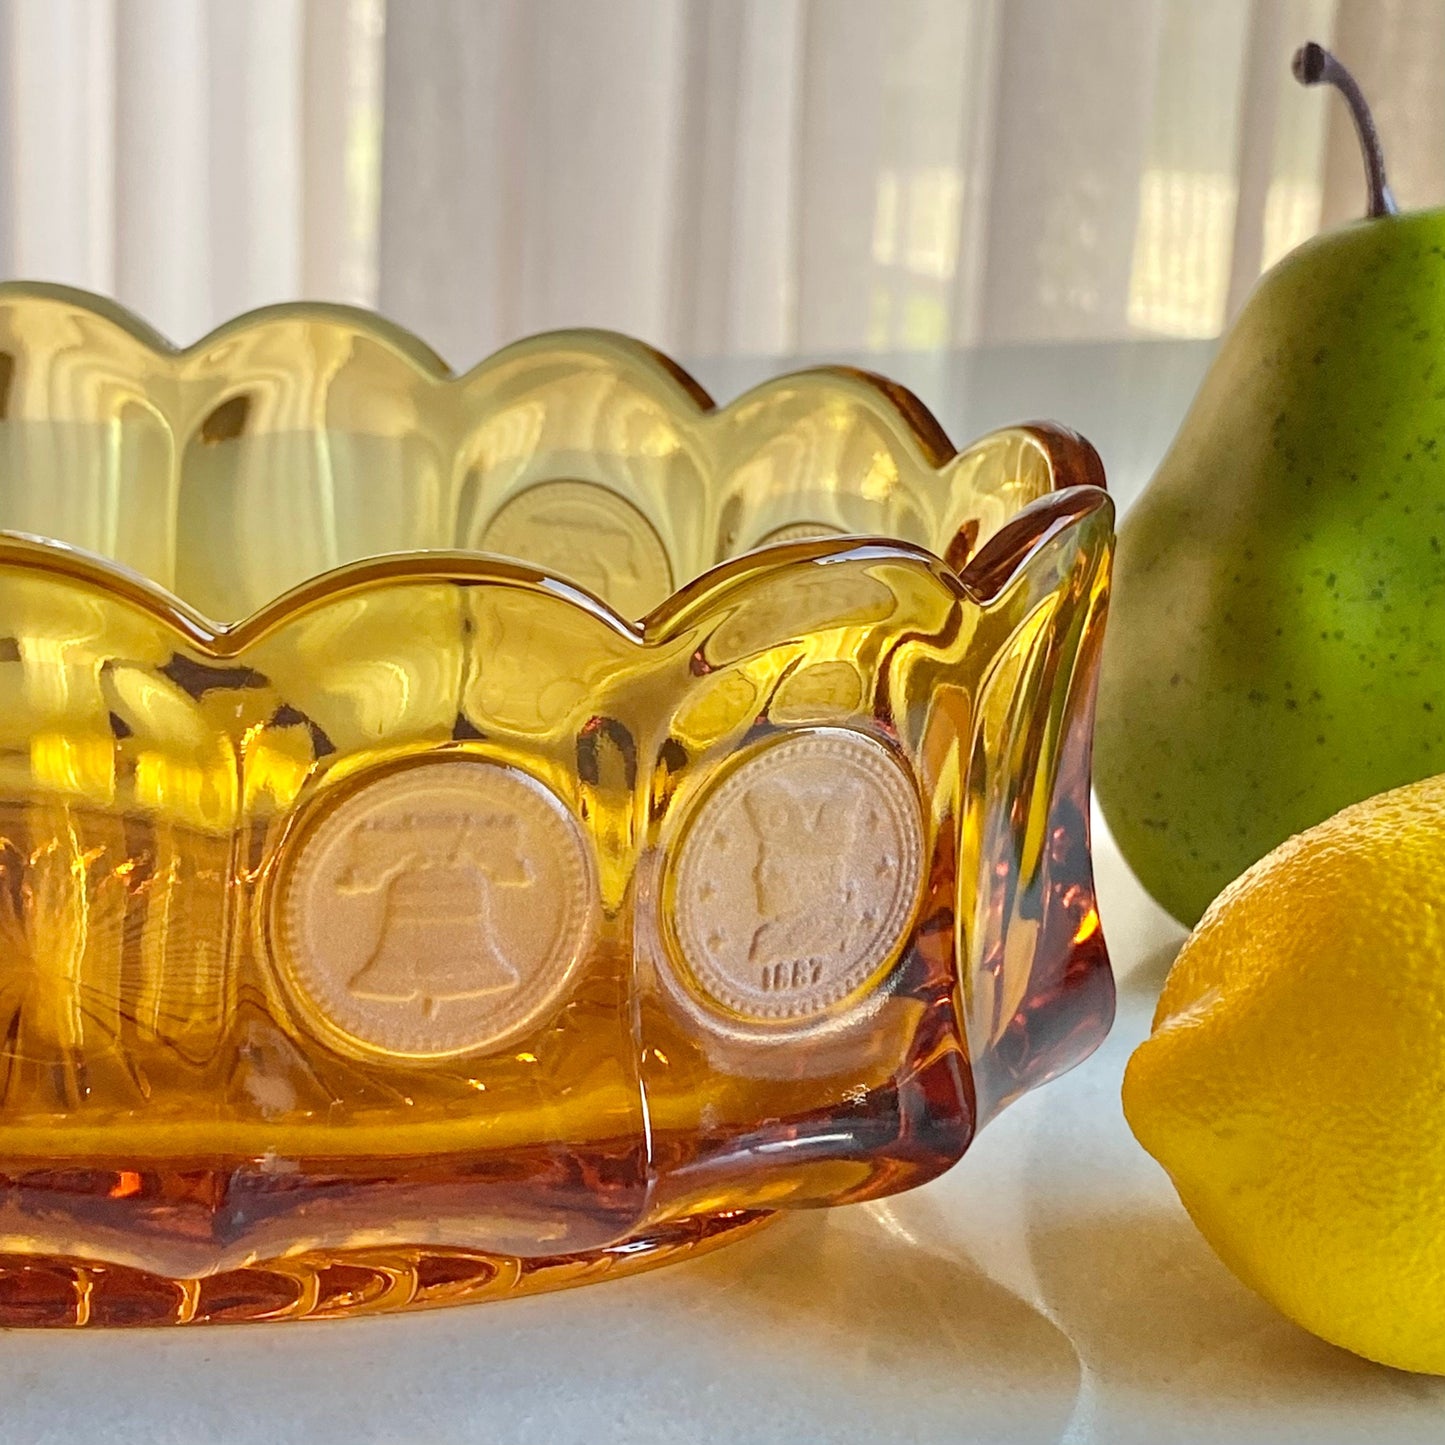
(1073, 462)
(1042, 521)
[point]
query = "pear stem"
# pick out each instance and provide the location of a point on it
(1313, 65)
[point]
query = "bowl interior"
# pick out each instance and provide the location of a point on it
(299, 439)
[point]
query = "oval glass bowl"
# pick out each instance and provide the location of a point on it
(384, 922)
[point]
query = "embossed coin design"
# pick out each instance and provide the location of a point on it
(589, 534)
(436, 910)
(798, 876)
(797, 532)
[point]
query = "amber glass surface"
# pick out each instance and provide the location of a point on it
(461, 835)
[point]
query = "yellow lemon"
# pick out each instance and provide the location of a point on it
(1294, 1082)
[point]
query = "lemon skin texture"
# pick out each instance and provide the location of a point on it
(1294, 1083)
(1276, 640)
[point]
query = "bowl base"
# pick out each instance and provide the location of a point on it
(51, 1292)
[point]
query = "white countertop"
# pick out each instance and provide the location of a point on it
(1049, 1289)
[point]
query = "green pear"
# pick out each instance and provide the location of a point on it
(1276, 643)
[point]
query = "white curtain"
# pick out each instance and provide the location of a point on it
(720, 177)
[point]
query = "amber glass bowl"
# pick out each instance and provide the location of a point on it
(463, 835)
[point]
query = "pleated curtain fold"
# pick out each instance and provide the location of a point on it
(720, 177)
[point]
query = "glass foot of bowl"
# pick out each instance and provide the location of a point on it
(66, 1293)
